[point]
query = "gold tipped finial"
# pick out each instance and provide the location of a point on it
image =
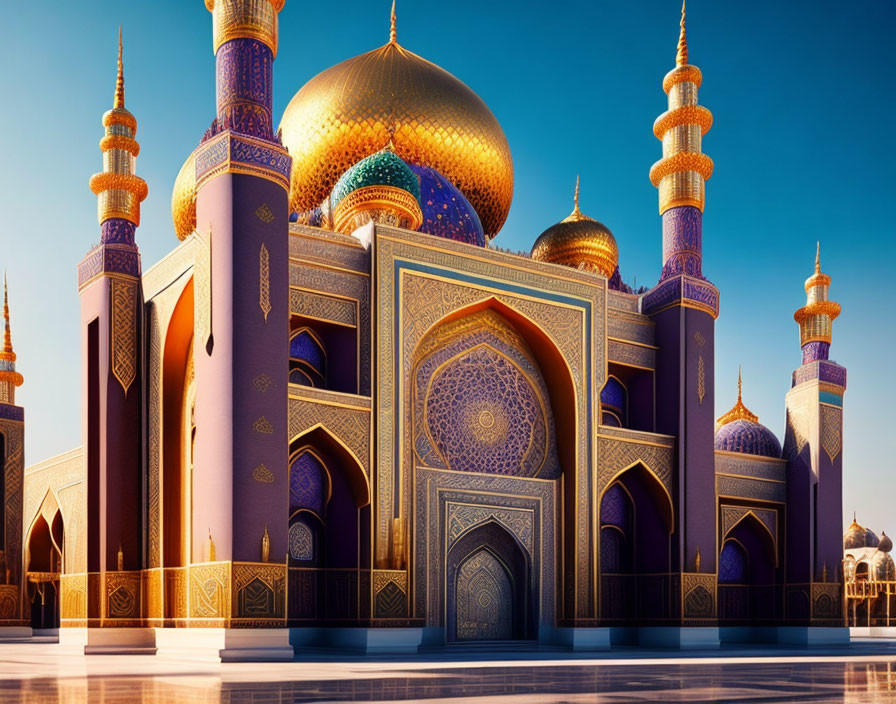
(575, 199)
(119, 83)
(818, 257)
(7, 337)
(393, 32)
(681, 57)
(739, 411)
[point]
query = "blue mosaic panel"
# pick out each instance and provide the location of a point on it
(301, 542)
(733, 564)
(612, 397)
(303, 346)
(615, 508)
(307, 484)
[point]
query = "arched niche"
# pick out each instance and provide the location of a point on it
(636, 517)
(177, 433)
(330, 528)
(748, 590)
(491, 590)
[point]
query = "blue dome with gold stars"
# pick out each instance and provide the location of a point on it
(739, 430)
(446, 211)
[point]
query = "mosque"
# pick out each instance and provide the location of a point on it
(336, 414)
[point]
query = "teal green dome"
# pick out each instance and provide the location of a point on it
(385, 168)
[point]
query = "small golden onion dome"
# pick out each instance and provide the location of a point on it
(857, 536)
(183, 199)
(349, 111)
(580, 242)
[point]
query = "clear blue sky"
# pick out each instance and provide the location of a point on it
(802, 93)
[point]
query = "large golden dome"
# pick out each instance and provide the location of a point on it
(347, 112)
(580, 242)
(183, 199)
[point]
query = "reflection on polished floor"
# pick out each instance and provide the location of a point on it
(47, 674)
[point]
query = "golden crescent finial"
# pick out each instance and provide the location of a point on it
(818, 257)
(681, 57)
(119, 83)
(393, 31)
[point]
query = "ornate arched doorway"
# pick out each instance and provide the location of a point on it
(747, 564)
(329, 530)
(492, 425)
(636, 520)
(489, 594)
(43, 566)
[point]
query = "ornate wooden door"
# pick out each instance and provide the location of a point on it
(484, 594)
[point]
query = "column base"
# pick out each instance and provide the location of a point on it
(109, 641)
(813, 635)
(380, 641)
(225, 644)
(13, 633)
(679, 637)
(584, 639)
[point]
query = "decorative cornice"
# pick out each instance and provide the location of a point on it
(230, 152)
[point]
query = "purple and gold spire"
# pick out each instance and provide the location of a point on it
(9, 377)
(681, 174)
(816, 318)
(120, 191)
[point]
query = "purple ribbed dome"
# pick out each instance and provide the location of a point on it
(749, 437)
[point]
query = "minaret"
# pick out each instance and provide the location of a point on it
(681, 174)
(241, 334)
(813, 447)
(9, 377)
(816, 318)
(684, 306)
(110, 288)
(12, 474)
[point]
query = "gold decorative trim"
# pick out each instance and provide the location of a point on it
(264, 281)
(263, 426)
(684, 115)
(263, 475)
(682, 74)
(701, 379)
(120, 141)
(264, 213)
(682, 161)
(124, 332)
(262, 382)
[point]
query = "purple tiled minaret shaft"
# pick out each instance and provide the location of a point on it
(241, 334)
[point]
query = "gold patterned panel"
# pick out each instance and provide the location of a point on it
(519, 522)
(264, 213)
(263, 475)
(124, 331)
(202, 288)
(210, 591)
(619, 453)
(264, 281)
(259, 593)
(73, 597)
(14, 496)
(322, 307)
(831, 431)
(9, 602)
(175, 596)
(311, 408)
(152, 593)
(698, 597)
(263, 426)
(701, 379)
(122, 598)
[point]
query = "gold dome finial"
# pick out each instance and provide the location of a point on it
(393, 32)
(576, 197)
(739, 411)
(119, 83)
(681, 57)
(818, 257)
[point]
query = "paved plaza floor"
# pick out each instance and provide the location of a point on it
(47, 673)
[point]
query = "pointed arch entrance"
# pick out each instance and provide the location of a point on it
(636, 520)
(329, 529)
(747, 573)
(44, 552)
(489, 595)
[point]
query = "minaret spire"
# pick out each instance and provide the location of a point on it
(739, 411)
(740, 385)
(9, 377)
(816, 318)
(681, 56)
(393, 31)
(119, 83)
(818, 257)
(576, 197)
